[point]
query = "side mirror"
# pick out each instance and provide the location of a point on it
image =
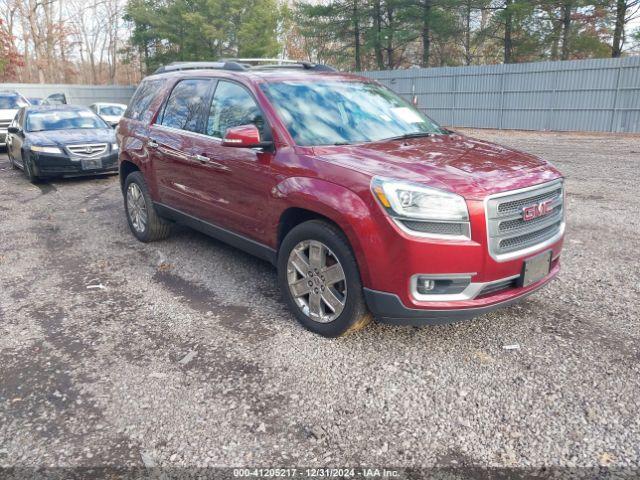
(244, 136)
(13, 129)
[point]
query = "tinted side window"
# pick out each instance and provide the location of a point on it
(186, 105)
(232, 105)
(141, 100)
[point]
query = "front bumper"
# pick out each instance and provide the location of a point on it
(388, 308)
(63, 165)
(395, 260)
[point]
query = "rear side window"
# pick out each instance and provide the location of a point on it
(186, 105)
(139, 105)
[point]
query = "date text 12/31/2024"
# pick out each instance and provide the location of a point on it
(315, 473)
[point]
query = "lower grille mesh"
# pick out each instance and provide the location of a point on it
(436, 228)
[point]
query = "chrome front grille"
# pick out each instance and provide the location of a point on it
(509, 234)
(5, 123)
(88, 150)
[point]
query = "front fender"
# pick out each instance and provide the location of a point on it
(344, 207)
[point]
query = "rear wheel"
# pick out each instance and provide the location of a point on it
(144, 221)
(320, 281)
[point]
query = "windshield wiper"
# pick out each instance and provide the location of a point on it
(408, 135)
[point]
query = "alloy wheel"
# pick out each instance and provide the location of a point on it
(316, 281)
(137, 208)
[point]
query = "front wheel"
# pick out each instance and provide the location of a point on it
(28, 169)
(11, 162)
(320, 280)
(144, 221)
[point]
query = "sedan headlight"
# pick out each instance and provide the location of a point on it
(35, 148)
(114, 147)
(423, 211)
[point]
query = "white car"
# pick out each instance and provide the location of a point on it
(110, 112)
(10, 103)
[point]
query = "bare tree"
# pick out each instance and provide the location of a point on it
(625, 11)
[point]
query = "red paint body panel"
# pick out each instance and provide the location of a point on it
(247, 190)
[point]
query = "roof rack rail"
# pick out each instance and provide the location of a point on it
(243, 64)
(221, 65)
(281, 63)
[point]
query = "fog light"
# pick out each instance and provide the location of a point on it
(427, 285)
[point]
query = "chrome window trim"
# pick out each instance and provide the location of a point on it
(188, 132)
(504, 257)
(469, 293)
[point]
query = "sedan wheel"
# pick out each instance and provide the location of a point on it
(137, 208)
(317, 281)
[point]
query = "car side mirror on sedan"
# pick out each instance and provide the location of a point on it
(244, 136)
(14, 129)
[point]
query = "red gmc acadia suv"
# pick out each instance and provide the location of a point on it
(362, 202)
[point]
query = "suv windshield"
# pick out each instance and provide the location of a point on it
(339, 112)
(63, 120)
(12, 102)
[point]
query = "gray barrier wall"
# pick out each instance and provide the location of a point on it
(584, 95)
(76, 94)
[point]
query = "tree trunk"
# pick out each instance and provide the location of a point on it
(566, 27)
(467, 34)
(377, 41)
(426, 32)
(555, 40)
(618, 32)
(390, 37)
(508, 26)
(356, 35)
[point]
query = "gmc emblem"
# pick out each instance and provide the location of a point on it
(538, 210)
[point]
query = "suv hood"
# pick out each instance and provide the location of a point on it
(468, 167)
(8, 114)
(68, 137)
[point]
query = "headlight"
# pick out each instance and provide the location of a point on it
(413, 201)
(114, 147)
(35, 148)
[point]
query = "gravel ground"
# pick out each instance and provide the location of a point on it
(185, 355)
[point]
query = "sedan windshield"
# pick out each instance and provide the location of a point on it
(339, 112)
(12, 102)
(63, 120)
(112, 110)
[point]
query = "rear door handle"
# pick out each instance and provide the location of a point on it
(152, 144)
(202, 159)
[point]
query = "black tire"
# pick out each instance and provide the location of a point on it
(354, 315)
(11, 162)
(156, 227)
(28, 170)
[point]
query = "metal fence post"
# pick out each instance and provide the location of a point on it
(502, 73)
(615, 98)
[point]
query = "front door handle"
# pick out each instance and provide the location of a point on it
(152, 144)
(212, 163)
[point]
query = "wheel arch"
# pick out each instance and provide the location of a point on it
(309, 199)
(126, 167)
